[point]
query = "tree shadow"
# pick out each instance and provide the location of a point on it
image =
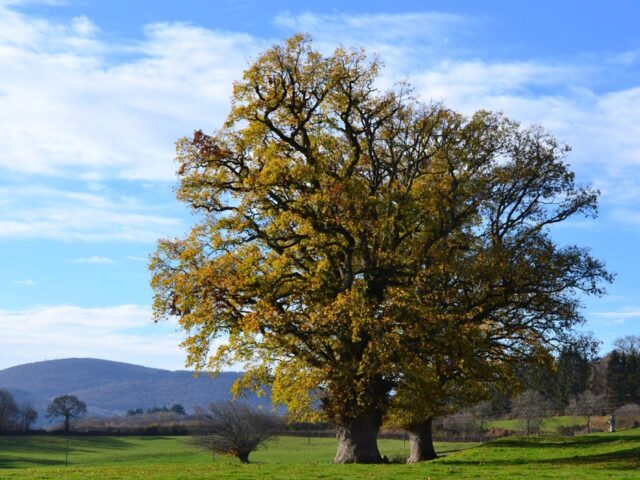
(20, 462)
(625, 458)
(20, 451)
(564, 442)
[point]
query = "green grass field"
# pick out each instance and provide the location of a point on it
(551, 424)
(601, 456)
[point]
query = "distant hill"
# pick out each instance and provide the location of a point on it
(111, 388)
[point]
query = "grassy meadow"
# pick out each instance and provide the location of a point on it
(551, 424)
(602, 456)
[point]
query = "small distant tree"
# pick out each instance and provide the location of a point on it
(532, 408)
(25, 416)
(8, 409)
(232, 428)
(629, 414)
(68, 407)
(460, 424)
(587, 405)
(179, 409)
(481, 413)
(134, 411)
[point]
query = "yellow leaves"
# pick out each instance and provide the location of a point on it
(297, 386)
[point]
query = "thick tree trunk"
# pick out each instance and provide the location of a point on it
(358, 440)
(66, 424)
(244, 457)
(421, 442)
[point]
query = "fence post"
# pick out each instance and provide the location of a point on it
(612, 423)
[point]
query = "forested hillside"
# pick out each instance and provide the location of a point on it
(110, 388)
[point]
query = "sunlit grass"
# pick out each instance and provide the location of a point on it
(612, 456)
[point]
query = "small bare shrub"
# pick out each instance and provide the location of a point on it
(232, 428)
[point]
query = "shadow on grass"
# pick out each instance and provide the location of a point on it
(564, 442)
(18, 451)
(627, 457)
(20, 462)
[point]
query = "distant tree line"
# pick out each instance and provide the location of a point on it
(577, 382)
(176, 408)
(15, 417)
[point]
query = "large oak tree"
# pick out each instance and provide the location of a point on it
(352, 238)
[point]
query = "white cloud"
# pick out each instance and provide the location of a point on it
(124, 333)
(469, 84)
(377, 28)
(628, 313)
(135, 258)
(78, 106)
(48, 213)
(97, 260)
(618, 317)
(25, 283)
(83, 27)
(70, 110)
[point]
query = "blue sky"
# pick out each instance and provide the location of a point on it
(93, 95)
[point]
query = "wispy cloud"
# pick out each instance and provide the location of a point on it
(70, 215)
(617, 317)
(634, 313)
(123, 332)
(25, 283)
(380, 27)
(97, 260)
(135, 258)
(403, 41)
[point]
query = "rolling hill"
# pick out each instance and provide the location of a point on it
(111, 388)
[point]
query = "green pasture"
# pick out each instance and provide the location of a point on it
(551, 424)
(602, 456)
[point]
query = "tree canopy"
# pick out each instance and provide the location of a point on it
(356, 242)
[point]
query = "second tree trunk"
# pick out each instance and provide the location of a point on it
(421, 442)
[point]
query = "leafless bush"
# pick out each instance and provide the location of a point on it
(8, 409)
(587, 405)
(532, 408)
(630, 409)
(233, 429)
(25, 416)
(568, 430)
(628, 416)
